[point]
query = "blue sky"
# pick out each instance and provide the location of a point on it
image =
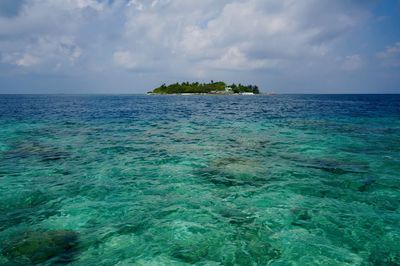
(131, 46)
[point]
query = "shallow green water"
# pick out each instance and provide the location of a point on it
(143, 180)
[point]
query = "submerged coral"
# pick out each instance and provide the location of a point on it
(36, 247)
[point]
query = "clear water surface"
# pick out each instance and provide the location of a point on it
(200, 180)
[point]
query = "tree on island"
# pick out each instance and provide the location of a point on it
(196, 87)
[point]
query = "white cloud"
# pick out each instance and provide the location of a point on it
(390, 52)
(49, 52)
(125, 59)
(89, 3)
(239, 35)
(242, 34)
(352, 62)
(390, 57)
(26, 60)
(137, 4)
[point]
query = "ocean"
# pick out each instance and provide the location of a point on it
(200, 180)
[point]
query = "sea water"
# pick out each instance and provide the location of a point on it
(200, 180)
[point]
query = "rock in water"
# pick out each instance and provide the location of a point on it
(38, 247)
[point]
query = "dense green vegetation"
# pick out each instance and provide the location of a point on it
(212, 87)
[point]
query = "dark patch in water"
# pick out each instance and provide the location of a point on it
(385, 259)
(227, 161)
(366, 184)
(190, 253)
(38, 247)
(301, 216)
(54, 156)
(331, 166)
(26, 208)
(220, 174)
(36, 150)
(336, 167)
(187, 255)
(219, 177)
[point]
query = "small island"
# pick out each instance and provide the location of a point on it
(217, 88)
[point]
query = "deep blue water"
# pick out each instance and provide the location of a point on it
(204, 180)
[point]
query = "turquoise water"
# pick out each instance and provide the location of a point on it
(200, 180)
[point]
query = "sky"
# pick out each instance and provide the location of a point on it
(132, 46)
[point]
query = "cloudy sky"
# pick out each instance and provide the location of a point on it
(130, 46)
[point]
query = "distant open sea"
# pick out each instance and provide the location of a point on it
(204, 180)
